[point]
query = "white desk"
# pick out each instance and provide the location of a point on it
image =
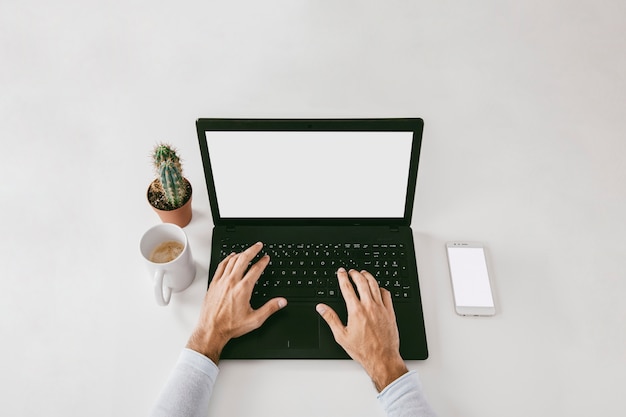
(523, 150)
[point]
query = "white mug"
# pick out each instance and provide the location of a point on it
(174, 275)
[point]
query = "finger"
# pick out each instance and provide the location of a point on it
(255, 271)
(373, 284)
(387, 300)
(245, 257)
(221, 267)
(347, 291)
(332, 319)
(362, 285)
(230, 264)
(262, 313)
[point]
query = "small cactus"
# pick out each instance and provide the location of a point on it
(164, 152)
(170, 181)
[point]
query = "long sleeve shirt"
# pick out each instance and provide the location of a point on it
(188, 390)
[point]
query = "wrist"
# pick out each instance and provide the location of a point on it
(385, 372)
(208, 343)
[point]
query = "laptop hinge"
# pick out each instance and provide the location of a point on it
(394, 228)
(230, 228)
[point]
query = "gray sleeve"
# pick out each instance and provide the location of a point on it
(404, 398)
(188, 388)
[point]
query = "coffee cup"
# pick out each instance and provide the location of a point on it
(167, 255)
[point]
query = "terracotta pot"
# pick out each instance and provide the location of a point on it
(180, 216)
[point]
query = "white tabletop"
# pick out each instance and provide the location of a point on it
(523, 150)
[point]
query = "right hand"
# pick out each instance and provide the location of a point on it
(371, 334)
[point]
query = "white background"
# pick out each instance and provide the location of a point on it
(310, 174)
(523, 150)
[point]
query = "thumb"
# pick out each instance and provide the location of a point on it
(269, 308)
(331, 318)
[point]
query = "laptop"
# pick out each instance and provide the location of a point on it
(320, 194)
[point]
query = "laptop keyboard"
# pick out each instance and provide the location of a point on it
(308, 271)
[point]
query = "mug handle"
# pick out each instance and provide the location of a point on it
(158, 289)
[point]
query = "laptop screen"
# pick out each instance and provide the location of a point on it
(310, 174)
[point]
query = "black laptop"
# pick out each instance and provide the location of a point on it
(320, 194)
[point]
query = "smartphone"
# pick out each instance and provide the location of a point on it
(470, 279)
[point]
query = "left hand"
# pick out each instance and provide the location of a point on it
(226, 310)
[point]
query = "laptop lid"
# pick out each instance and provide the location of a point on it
(298, 171)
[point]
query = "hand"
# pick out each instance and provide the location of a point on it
(371, 334)
(226, 311)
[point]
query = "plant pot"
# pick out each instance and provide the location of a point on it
(180, 216)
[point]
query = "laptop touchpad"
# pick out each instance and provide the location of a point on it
(294, 327)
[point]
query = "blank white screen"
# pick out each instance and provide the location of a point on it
(470, 278)
(310, 174)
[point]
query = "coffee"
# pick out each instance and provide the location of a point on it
(166, 251)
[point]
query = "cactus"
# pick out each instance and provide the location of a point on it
(170, 178)
(164, 152)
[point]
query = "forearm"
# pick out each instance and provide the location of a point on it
(188, 388)
(404, 398)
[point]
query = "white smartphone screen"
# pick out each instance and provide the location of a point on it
(470, 278)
